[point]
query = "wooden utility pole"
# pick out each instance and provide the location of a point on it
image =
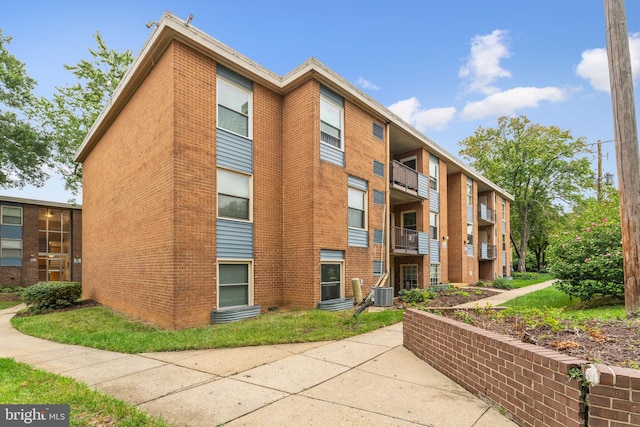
(626, 141)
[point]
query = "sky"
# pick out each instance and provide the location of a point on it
(446, 67)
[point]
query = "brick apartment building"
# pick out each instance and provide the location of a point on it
(39, 241)
(213, 184)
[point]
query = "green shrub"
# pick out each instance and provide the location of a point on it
(414, 295)
(587, 255)
(501, 283)
(51, 295)
(11, 289)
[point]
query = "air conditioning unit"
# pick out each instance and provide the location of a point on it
(383, 296)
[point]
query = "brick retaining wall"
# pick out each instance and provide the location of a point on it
(530, 382)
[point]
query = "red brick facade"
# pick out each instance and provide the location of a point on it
(150, 190)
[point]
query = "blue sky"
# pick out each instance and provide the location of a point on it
(445, 67)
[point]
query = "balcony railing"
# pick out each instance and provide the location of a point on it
(487, 252)
(486, 214)
(404, 177)
(404, 240)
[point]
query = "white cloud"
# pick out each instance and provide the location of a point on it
(509, 101)
(483, 66)
(366, 84)
(595, 68)
(423, 119)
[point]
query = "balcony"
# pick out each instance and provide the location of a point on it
(486, 215)
(487, 252)
(409, 181)
(406, 241)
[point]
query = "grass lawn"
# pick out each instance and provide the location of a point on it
(521, 283)
(552, 297)
(21, 384)
(100, 327)
(8, 304)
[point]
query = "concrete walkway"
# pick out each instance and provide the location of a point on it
(366, 380)
(502, 297)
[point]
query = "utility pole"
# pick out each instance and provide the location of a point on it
(626, 142)
(599, 183)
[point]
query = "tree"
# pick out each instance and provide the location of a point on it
(23, 149)
(68, 117)
(536, 164)
(586, 254)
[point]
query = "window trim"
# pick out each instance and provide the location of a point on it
(436, 215)
(342, 275)
(365, 201)
(2, 248)
(434, 180)
(249, 114)
(341, 116)
(438, 275)
(402, 224)
(250, 176)
(2, 208)
(404, 267)
(250, 293)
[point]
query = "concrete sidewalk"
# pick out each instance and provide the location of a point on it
(502, 297)
(366, 380)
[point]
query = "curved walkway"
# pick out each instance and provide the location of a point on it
(369, 379)
(505, 296)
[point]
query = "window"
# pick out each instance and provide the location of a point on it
(504, 242)
(357, 208)
(433, 173)
(234, 195)
(330, 123)
(470, 234)
(410, 220)
(434, 276)
(11, 248)
(234, 108)
(330, 280)
(469, 192)
(410, 162)
(233, 284)
(11, 215)
(409, 275)
(433, 225)
(378, 131)
(504, 211)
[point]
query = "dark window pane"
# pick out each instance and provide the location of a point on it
(356, 218)
(233, 121)
(233, 207)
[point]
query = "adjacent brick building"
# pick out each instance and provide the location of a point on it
(212, 184)
(39, 241)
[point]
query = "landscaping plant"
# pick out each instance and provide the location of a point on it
(587, 255)
(51, 295)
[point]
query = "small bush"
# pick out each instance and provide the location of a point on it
(10, 289)
(51, 295)
(414, 295)
(501, 283)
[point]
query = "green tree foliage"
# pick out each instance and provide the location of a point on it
(534, 163)
(587, 254)
(23, 149)
(69, 115)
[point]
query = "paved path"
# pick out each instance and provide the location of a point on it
(366, 380)
(503, 297)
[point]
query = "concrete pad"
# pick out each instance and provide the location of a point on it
(409, 401)
(212, 404)
(228, 361)
(296, 411)
(347, 353)
(493, 418)
(400, 363)
(91, 357)
(301, 347)
(293, 374)
(174, 356)
(113, 368)
(153, 383)
(385, 337)
(57, 353)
